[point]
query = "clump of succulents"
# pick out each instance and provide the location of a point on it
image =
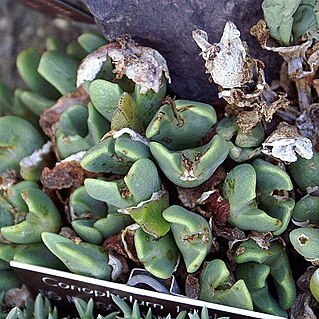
(41, 308)
(99, 165)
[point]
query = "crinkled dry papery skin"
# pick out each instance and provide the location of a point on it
(303, 61)
(226, 61)
(285, 143)
(251, 108)
(308, 124)
(294, 55)
(302, 307)
(145, 66)
(236, 72)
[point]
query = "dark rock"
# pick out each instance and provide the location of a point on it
(167, 25)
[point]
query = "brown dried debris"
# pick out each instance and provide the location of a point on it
(17, 297)
(217, 207)
(241, 78)
(114, 244)
(302, 307)
(50, 117)
(206, 198)
(8, 178)
(190, 196)
(192, 288)
(65, 175)
(302, 60)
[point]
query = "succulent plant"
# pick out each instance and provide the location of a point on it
(240, 188)
(138, 178)
(41, 215)
(192, 235)
(218, 286)
(306, 210)
(309, 167)
(94, 259)
(292, 21)
(159, 256)
(181, 124)
(279, 269)
(20, 135)
(191, 167)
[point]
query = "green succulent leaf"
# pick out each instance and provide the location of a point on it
(217, 285)
(105, 97)
(114, 155)
(279, 18)
(191, 167)
(83, 204)
(252, 139)
(314, 284)
(110, 192)
(35, 102)
(307, 209)
(94, 260)
(148, 103)
(113, 223)
(271, 177)
(42, 216)
(27, 65)
(305, 242)
(240, 185)
(126, 115)
(255, 276)
(148, 214)
(245, 218)
(18, 139)
(59, 69)
(242, 154)
(98, 125)
(84, 228)
(91, 41)
(159, 256)
(138, 185)
(54, 44)
(181, 124)
(309, 169)
(227, 127)
(192, 235)
(14, 194)
(276, 258)
(75, 50)
(279, 209)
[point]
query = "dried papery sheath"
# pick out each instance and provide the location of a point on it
(302, 60)
(285, 143)
(145, 66)
(241, 78)
(73, 158)
(133, 135)
(226, 61)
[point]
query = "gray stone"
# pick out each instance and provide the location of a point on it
(167, 25)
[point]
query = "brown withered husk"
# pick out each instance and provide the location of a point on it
(65, 175)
